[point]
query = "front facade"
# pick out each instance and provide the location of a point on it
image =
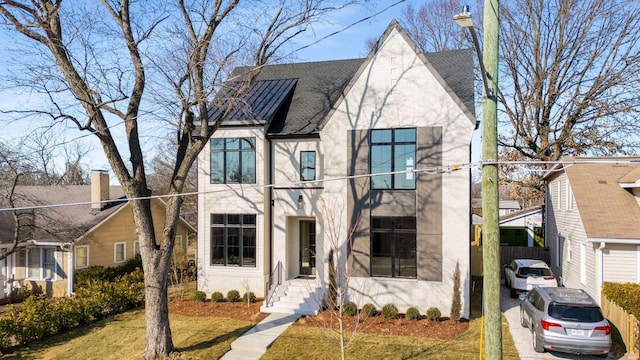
(401, 114)
(592, 211)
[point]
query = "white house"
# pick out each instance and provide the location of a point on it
(592, 217)
(286, 178)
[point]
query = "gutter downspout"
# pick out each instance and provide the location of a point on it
(71, 271)
(600, 276)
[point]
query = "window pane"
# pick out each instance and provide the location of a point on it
(49, 263)
(233, 219)
(232, 167)
(217, 144)
(249, 219)
(405, 261)
(308, 165)
(233, 246)
(232, 143)
(33, 262)
(381, 223)
(405, 135)
(217, 167)
(249, 247)
(408, 223)
(217, 219)
(81, 256)
(381, 255)
(404, 160)
(248, 144)
(381, 163)
(381, 136)
(217, 246)
(248, 167)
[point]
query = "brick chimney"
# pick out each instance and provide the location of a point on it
(99, 190)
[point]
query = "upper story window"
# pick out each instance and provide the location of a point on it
(393, 150)
(233, 160)
(307, 165)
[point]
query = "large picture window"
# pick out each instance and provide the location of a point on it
(233, 160)
(393, 247)
(393, 150)
(233, 239)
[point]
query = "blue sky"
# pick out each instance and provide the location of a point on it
(350, 42)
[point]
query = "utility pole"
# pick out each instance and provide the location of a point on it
(490, 227)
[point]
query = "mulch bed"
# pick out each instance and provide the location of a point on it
(443, 329)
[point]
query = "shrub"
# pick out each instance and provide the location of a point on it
(369, 310)
(390, 311)
(627, 296)
(217, 296)
(249, 297)
(83, 277)
(412, 314)
(433, 313)
(199, 296)
(233, 296)
(350, 308)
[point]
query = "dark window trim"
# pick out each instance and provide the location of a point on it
(224, 152)
(392, 231)
(393, 145)
(225, 225)
(313, 178)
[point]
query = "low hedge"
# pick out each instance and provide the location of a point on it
(39, 317)
(627, 296)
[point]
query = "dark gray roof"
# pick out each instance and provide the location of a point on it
(320, 84)
(64, 223)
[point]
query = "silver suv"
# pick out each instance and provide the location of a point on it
(566, 320)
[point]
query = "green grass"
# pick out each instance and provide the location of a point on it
(300, 342)
(122, 337)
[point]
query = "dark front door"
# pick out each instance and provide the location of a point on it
(307, 247)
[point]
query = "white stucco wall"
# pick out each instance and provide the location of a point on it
(396, 90)
(231, 199)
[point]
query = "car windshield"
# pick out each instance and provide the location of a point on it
(527, 271)
(575, 313)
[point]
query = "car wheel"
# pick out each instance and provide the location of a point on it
(522, 322)
(537, 346)
(506, 282)
(513, 294)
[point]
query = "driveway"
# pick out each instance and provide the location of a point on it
(522, 336)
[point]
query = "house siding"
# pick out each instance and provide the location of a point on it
(620, 263)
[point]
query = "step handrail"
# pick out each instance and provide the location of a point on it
(275, 280)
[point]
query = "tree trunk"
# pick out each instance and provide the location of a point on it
(159, 341)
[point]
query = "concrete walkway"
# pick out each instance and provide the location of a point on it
(255, 342)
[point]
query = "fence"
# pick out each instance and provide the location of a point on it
(3, 287)
(507, 254)
(627, 324)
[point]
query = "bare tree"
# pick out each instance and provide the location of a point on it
(98, 57)
(339, 271)
(568, 80)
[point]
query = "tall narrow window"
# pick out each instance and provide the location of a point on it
(393, 247)
(233, 239)
(393, 150)
(233, 160)
(307, 165)
(119, 252)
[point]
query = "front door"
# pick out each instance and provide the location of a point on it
(307, 247)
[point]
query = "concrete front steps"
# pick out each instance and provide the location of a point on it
(295, 296)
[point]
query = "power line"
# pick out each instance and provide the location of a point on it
(445, 169)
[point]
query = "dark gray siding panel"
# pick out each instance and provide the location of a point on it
(358, 201)
(429, 205)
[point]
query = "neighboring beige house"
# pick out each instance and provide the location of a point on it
(286, 176)
(60, 240)
(592, 216)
